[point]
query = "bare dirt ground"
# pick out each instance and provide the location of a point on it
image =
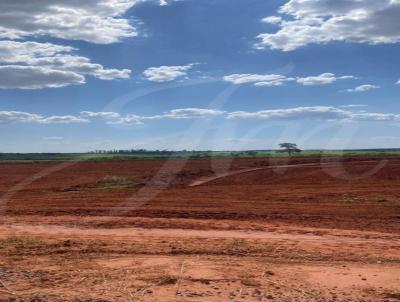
(201, 230)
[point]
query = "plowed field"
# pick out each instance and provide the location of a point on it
(257, 229)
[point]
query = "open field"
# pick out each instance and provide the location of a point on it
(215, 229)
(147, 154)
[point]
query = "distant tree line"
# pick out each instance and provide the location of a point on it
(190, 153)
(135, 151)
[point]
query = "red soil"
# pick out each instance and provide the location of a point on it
(202, 230)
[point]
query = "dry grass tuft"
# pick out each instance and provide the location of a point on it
(167, 280)
(250, 282)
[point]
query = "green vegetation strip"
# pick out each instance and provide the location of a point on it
(143, 154)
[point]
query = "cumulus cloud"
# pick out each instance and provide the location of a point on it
(18, 117)
(104, 115)
(278, 80)
(35, 77)
(182, 113)
(83, 117)
(353, 106)
(398, 82)
(192, 113)
(371, 116)
(26, 117)
(34, 65)
(62, 119)
(316, 112)
(322, 79)
(109, 117)
(166, 73)
(321, 112)
(272, 20)
(96, 21)
(12, 51)
(363, 88)
(323, 21)
(257, 79)
(130, 119)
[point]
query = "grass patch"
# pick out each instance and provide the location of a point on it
(114, 182)
(350, 199)
(238, 244)
(21, 242)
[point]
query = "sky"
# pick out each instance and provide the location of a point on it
(78, 76)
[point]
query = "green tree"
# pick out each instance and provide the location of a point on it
(290, 148)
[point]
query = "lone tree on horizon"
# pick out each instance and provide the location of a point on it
(289, 148)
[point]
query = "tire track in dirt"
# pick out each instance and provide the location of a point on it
(334, 237)
(208, 179)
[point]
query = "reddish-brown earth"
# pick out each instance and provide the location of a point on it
(303, 229)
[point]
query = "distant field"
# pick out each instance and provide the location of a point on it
(187, 154)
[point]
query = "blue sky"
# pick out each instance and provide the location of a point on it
(190, 74)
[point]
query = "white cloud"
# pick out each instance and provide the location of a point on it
(323, 21)
(12, 51)
(104, 115)
(33, 65)
(272, 20)
(166, 73)
(257, 79)
(62, 119)
(353, 106)
(398, 82)
(363, 88)
(18, 117)
(129, 119)
(322, 79)
(278, 80)
(96, 21)
(183, 113)
(316, 112)
(192, 113)
(165, 2)
(371, 116)
(25, 117)
(35, 77)
(320, 113)
(109, 117)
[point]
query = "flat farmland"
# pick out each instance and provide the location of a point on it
(244, 229)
